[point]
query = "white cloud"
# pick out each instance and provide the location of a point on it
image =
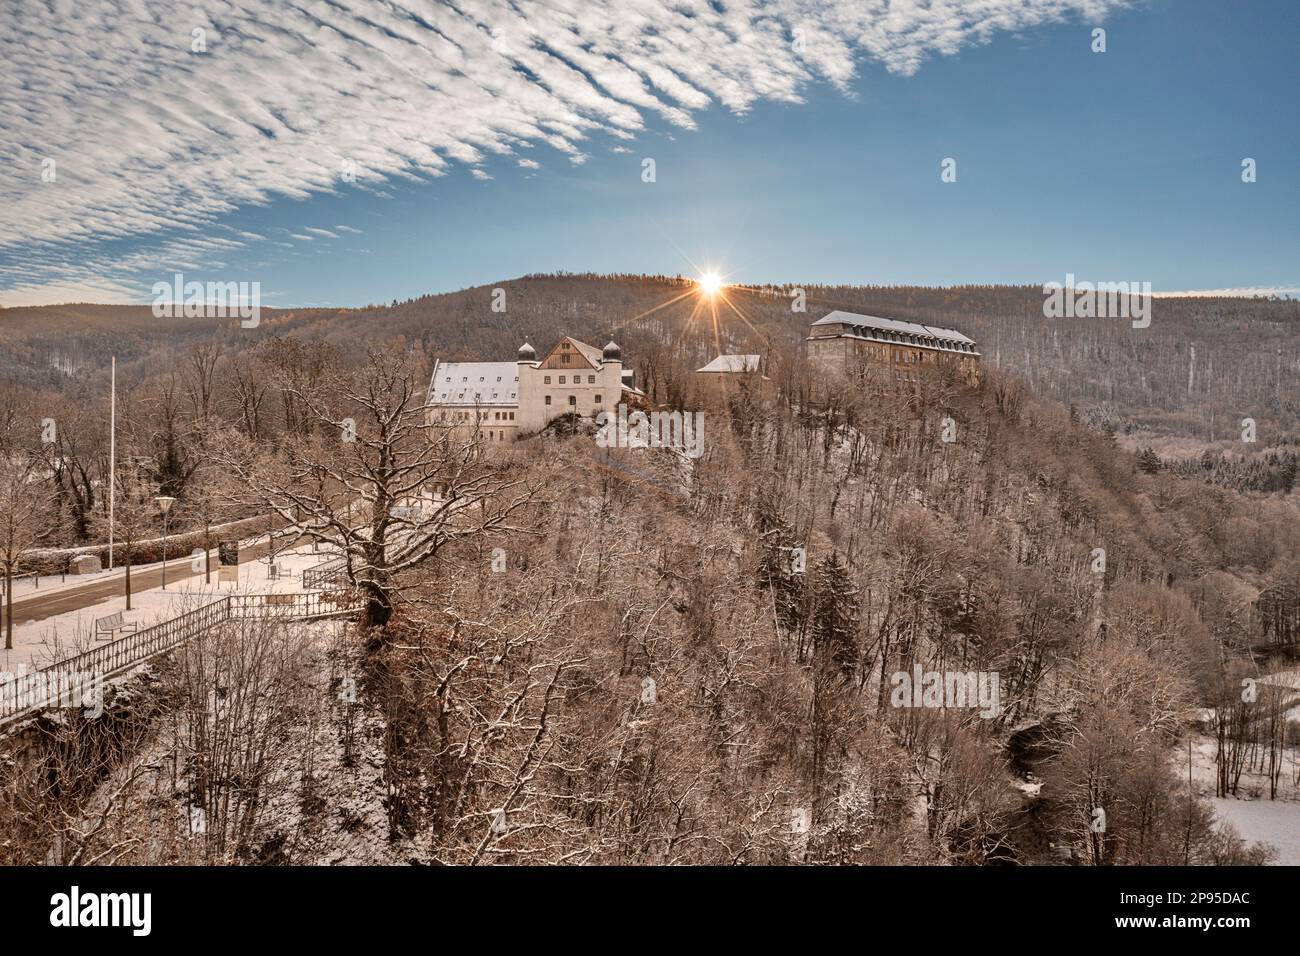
(530, 164)
(152, 139)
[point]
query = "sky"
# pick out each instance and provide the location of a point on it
(352, 152)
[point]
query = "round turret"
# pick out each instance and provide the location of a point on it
(612, 353)
(526, 353)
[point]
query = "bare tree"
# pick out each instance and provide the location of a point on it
(371, 477)
(135, 516)
(26, 518)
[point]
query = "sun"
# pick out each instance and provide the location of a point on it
(710, 283)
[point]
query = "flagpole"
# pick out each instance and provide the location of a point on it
(112, 457)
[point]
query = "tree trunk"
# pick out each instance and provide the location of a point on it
(9, 605)
(378, 606)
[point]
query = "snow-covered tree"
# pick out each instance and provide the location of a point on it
(372, 478)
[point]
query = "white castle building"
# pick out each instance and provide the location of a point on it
(499, 400)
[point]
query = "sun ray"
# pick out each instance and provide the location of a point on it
(664, 305)
(744, 318)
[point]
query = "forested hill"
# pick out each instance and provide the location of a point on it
(953, 526)
(1184, 382)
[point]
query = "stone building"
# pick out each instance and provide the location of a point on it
(729, 372)
(845, 342)
(499, 401)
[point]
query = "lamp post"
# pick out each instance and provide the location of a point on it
(165, 504)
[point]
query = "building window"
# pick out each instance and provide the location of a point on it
(548, 399)
(546, 380)
(561, 379)
(573, 401)
(597, 399)
(564, 359)
(591, 380)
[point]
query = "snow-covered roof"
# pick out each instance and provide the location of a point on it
(590, 352)
(474, 383)
(871, 326)
(732, 363)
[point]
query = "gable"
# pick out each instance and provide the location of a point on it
(571, 354)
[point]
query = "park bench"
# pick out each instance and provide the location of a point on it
(112, 624)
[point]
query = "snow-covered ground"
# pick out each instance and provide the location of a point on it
(1261, 820)
(40, 643)
(1255, 817)
(322, 799)
(29, 586)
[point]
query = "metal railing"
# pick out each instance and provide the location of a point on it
(328, 574)
(33, 690)
(293, 605)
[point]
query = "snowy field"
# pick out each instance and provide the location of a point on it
(1256, 818)
(1265, 821)
(40, 643)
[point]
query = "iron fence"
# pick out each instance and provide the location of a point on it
(28, 692)
(329, 574)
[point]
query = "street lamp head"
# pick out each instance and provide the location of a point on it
(165, 503)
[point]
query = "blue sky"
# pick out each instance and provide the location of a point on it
(1123, 165)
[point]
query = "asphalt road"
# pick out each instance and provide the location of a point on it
(36, 607)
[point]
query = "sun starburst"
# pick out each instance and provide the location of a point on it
(710, 283)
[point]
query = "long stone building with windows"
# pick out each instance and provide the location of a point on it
(846, 342)
(498, 401)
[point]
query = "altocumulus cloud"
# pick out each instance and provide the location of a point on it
(154, 139)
